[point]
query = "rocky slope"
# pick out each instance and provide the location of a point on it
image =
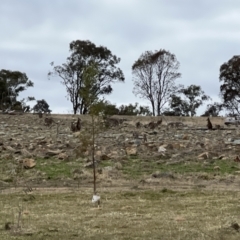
(29, 136)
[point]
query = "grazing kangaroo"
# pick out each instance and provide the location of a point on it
(138, 125)
(76, 126)
(135, 135)
(159, 122)
(48, 121)
(237, 159)
(209, 124)
(112, 122)
(153, 125)
(145, 138)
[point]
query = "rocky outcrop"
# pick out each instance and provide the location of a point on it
(27, 137)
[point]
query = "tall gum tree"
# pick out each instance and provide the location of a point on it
(12, 83)
(83, 54)
(154, 78)
(230, 87)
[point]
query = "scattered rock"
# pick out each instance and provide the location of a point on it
(62, 156)
(104, 157)
(204, 155)
(28, 163)
(53, 152)
(118, 166)
(89, 165)
(162, 175)
(10, 149)
(26, 153)
(131, 151)
(216, 168)
(27, 136)
(162, 149)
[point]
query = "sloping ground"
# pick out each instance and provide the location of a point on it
(182, 183)
(184, 153)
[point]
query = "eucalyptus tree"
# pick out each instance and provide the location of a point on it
(82, 55)
(230, 87)
(154, 78)
(187, 101)
(12, 83)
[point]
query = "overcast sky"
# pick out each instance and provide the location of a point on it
(202, 34)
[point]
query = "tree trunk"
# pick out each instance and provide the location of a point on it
(84, 110)
(153, 108)
(75, 110)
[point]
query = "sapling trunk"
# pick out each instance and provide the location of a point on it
(93, 158)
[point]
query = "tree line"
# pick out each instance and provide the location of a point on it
(90, 71)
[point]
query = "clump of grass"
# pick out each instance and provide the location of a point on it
(135, 168)
(55, 169)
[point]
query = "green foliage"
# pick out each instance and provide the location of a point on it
(178, 107)
(17, 105)
(213, 109)
(169, 112)
(134, 110)
(193, 98)
(154, 79)
(12, 83)
(92, 129)
(130, 110)
(83, 55)
(144, 110)
(24, 105)
(89, 134)
(88, 91)
(230, 88)
(95, 108)
(109, 109)
(41, 106)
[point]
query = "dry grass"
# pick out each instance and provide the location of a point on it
(147, 214)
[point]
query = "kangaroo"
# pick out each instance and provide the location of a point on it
(48, 121)
(153, 125)
(209, 124)
(76, 126)
(138, 125)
